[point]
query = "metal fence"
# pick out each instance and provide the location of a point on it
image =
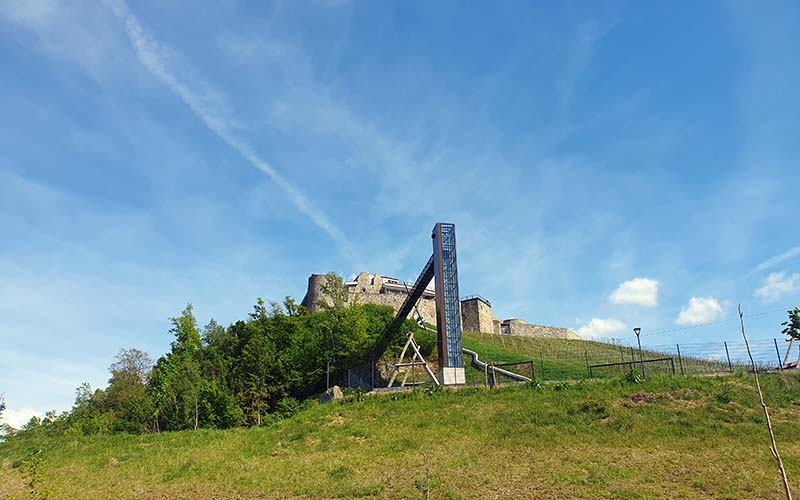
(570, 359)
(365, 377)
(567, 359)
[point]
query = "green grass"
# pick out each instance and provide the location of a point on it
(668, 437)
(565, 359)
(561, 359)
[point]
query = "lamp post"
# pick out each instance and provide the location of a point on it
(637, 331)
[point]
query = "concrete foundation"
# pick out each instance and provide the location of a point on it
(452, 376)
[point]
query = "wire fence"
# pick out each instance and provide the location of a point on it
(574, 359)
(547, 359)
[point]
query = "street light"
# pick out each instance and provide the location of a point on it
(637, 331)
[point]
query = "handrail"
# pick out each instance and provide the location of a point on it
(476, 296)
(480, 364)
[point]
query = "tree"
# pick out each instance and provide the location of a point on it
(334, 289)
(131, 364)
(184, 327)
(217, 354)
(176, 378)
(175, 391)
(792, 327)
(2, 404)
(292, 308)
(89, 414)
(126, 395)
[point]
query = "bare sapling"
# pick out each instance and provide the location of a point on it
(773, 445)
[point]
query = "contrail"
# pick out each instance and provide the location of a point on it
(154, 57)
(789, 254)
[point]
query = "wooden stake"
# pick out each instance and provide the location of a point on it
(773, 446)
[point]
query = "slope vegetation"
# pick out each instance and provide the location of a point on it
(668, 437)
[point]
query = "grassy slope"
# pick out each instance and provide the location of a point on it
(560, 359)
(665, 438)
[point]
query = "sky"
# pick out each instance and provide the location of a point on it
(606, 164)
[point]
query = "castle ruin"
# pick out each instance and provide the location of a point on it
(476, 311)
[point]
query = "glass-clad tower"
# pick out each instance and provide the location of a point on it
(448, 305)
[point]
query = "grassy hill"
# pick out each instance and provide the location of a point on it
(563, 359)
(668, 437)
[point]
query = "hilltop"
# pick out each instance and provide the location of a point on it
(612, 437)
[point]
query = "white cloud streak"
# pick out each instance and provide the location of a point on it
(778, 259)
(638, 291)
(205, 104)
(601, 327)
(699, 310)
(777, 285)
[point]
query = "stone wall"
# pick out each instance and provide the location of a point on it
(314, 292)
(427, 307)
(476, 316)
(519, 327)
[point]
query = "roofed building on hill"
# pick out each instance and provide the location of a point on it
(476, 311)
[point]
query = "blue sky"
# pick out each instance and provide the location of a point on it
(607, 165)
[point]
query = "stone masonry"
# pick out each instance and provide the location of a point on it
(476, 315)
(373, 289)
(515, 326)
(476, 312)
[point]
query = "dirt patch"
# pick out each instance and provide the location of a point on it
(336, 421)
(641, 398)
(682, 395)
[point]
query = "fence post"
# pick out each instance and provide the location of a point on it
(541, 360)
(672, 361)
(680, 360)
(778, 353)
(730, 366)
(586, 357)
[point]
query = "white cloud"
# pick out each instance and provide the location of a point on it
(700, 310)
(778, 284)
(18, 418)
(773, 261)
(638, 291)
(601, 327)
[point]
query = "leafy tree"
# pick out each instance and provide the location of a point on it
(126, 395)
(251, 372)
(184, 327)
(334, 289)
(258, 381)
(293, 308)
(218, 353)
(89, 415)
(217, 406)
(175, 391)
(792, 327)
(133, 365)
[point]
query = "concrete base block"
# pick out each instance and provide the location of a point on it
(452, 376)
